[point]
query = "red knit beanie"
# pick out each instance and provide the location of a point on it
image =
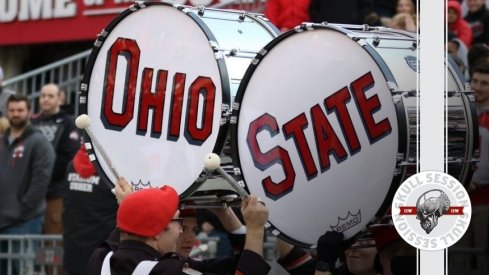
(82, 164)
(147, 212)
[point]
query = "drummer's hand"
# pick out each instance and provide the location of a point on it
(122, 189)
(254, 213)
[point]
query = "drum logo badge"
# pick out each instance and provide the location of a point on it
(348, 222)
(140, 185)
(431, 210)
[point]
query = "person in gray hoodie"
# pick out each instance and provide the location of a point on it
(26, 164)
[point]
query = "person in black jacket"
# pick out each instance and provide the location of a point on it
(59, 128)
(89, 213)
(150, 227)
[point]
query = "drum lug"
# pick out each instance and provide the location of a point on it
(233, 119)
(215, 47)
(400, 163)
(415, 45)
(224, 107)
(233, 52)
(83, 87)
(392, 86)
(397, 95)
(241, 183)
(237, 172)
(222, 121)
(235, 106)
(179, 7)
(376, 41)
(103, 34)
(359, 40)
(306, 27)
(83, 90)
(242, 16)
(100, 37)
(137, 5)
(399, 156)
(201, 10)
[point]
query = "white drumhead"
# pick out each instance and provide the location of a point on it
(301, 71)
(168, 40)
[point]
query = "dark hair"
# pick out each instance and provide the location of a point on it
(19, 98)
(476, 53)
(482, 68)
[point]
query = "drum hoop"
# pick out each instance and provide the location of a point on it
(472, 127)
(85, 83)
(400, 114)
(470, 113)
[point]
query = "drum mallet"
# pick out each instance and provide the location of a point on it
(83, 122)
(213, 162)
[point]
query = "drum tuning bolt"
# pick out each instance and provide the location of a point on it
(242, 16)
(201, 10)
(376, 41)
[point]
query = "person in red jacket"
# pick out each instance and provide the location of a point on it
(286, 14)
(457, 24)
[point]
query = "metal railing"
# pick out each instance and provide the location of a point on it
(67, 73)
(30, 254)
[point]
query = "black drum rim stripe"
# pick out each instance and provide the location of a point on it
(239, 97)
(90, 66)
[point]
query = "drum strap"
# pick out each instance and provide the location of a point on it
(143, 267)
(106, 264)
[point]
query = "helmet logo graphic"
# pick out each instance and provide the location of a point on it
(430, 206)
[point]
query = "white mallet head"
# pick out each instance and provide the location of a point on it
(82, 121)
(212, 161)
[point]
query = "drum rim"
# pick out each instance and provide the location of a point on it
(388, 76)
(85, 84)
(471, 117)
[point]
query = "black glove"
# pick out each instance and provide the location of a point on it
(329, 247)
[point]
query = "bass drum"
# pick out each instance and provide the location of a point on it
(158, 88)
(319, 127)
